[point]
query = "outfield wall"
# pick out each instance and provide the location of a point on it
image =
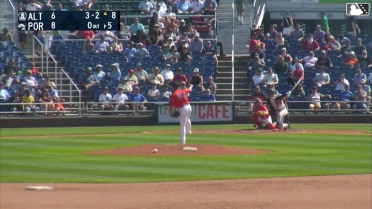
(23, 122)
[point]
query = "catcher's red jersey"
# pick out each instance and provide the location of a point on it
(179, 98)
(261, 112)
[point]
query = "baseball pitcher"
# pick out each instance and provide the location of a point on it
(179, 101)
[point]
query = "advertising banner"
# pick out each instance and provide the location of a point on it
(201, 112)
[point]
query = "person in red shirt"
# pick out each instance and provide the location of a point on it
(34, 70)
(261, 116)
(179, 101)
(309, 44)
(179, 77)
(85, 34)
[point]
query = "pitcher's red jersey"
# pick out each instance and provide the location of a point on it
(179, 98)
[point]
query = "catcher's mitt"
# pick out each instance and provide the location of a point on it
(175, 114)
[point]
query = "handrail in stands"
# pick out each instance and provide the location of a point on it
(72, 83)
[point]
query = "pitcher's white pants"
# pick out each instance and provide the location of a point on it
(185, 122)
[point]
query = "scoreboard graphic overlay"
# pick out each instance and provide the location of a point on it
(68, 20)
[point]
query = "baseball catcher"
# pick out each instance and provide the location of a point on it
(261, 116)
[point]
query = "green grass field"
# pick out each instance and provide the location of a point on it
(57, 154)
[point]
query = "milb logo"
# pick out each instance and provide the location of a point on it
(357, 9)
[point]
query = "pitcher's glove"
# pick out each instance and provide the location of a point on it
(175, 114)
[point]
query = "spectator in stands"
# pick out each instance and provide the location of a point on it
(294, 64)
(297, 34)
(351, 61)
(28, 102)
(130, 51)
(260, 52)
(141, 74)
(89, 82)
(358, 77)
(16, 99)
(256, 94)
(258, 78)
(319, 34)
(208, 96)
(183, 28)
(346, 49)
(321, 78)
(136, 26)
(279, 40)
(196, 6)
(287, 23)
(290, 79)
(255, 63)
(365, 61)
(239, 5)
(156, 36)
(324, 22)
(351, 25)
(155, 77)
(4, 98)
(209, 52)
(154, 20)
(211, 85)
(101, 75)
(280, 65)
(360, 98)
(341, 83)
(46, 81)
(132, 78)
(167, 74)
(179, 77)
(145, 7)
(138, 100)
(315, 98)
(343, 99)
(23, 88)
(298, 92)
(102, 46)
(342, 39)
(253, 42)
(164, 54)
(141, 52)
(6, 35)
(183, 7)
(123, 33)
(153, 93)
(323, 60)
(34, 70)
(88, 46)
(46, 102)
(125, 85)
(270, 78)
(366, 88)
(169, 12)
(196, 45)
(287, 57)
(30, 80)
(310, 44)
(165, 93)
(268, 41)
(196, 79)
(105, 100)
(119, 100)
(210, 2)
(115, 74)
(310, 60)
(332, 44)
(359, 48)
(273, 31)
(85, 34)
(369, 80)
(116, 46)
(60, 8)
(11, 67)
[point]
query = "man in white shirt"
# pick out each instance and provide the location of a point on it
(258, 77)
(105, 99)
(196, 6)
(119, 100)
(321, 78)
(270, 78)
(167, 74)
(309, 61)
(341, 83)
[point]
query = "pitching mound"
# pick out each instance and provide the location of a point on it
(177, 150)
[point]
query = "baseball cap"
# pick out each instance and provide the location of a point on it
(139, 64)
(257, 87)
(196, 34)
(179, 69)
(136, 88)
(196, 70)
(115, 64)
(168, 65)
(89, 68)
(323, 52)
(131, 71)
(352, 52)
(98, 65)
(105, 88)
(182, 20)
(23, 83)
(363, 81)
